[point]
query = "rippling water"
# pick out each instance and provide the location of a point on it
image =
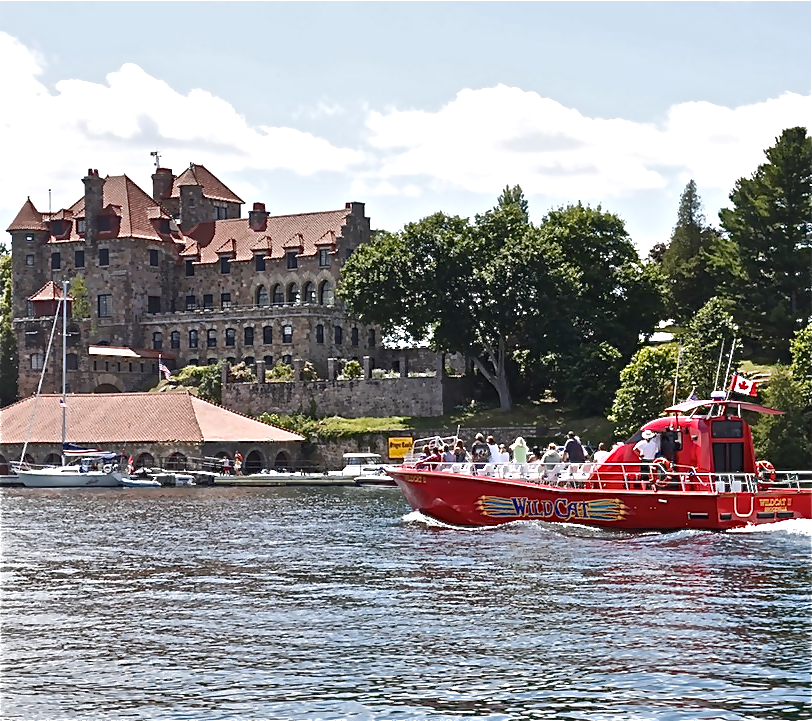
(313, 603)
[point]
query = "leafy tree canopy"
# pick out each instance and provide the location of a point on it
(9, 357)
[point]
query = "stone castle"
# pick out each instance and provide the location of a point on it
(181, 276)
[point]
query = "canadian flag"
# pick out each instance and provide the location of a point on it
(742, 385)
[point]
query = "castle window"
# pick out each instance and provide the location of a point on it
(29, 260)
(225, 300)
(278, 295)
(231, 337)
(104, 256)
(326, 296)
(80, 226)
(105, 305)
(208, 301)
(324, 258)
(29, 237)
(319, 333)
(211, 361)
(163, 226)
(153, 258)
(73, 335)
(174, 340)
(153, 304)
(57, 227)
(287, 334)
(354, 337)
(268, 361)
(36, 361)
(248, 335)
(220, 211)
(191, 302)
(267, 335)
(29, 308)
(231, 360)
(104, 223)
(211, 338)
(287, 360)
(248, 360)
(309, 293)
(293, 293)
(193, 362)
(190, 268)
(225, 265)
(79, 259)
(157, 340)
(292, 260)
(338, 335)
(371, 341)
(56, 261)
(259, 263)
(193, 339)
(262, 297)
(71, 362)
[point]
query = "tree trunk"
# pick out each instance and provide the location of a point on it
(498, 377)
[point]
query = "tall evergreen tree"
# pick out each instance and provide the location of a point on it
(698, 262)
(9, 358)
(771, 225)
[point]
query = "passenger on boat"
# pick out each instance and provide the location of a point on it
(601, 454)
(551, 457)
(519, 448)
(535, 455)
(573, 450)
(493, 450)
(460, 454)
(448, 454)
(647, 449)
(479, 452)
(429, 461)
(504, 454)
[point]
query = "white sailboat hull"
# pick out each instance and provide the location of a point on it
(68, 477)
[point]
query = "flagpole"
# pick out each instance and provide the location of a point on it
(64, 361)
(676, 374)
(718, 366)
(729, 363)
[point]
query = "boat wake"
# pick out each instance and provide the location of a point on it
(795, 526)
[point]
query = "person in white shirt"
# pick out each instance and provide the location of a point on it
(647, 449)
(601, 454)
(493, 447)
(504, 454)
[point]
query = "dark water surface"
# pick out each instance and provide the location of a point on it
(313, 603)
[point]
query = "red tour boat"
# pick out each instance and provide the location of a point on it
(706, 476)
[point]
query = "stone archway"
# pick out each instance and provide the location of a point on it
(53, 459)
(254, 463)
(176, 462)
(282, 461)
(144, 460)
(4, 467)
(108, 383)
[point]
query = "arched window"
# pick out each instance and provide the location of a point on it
(254, 462)
(73, 335)
(174, 340)
(287, 360)
(319, 333)
(53, 459)
(231, 337)
(72, 362)
(211, 361)
(371, 341)
(262, 298)
(338, 335)
(157, 340)
(293, 293)
(211, 338)
(248, 360)
(309, 293)
(193, 339)
(287, 334)
(326, 296)
(248, 335)
(278, 295)
(144, 460)
(193, 362)
(354, 336)
(268, 361)
(267, 335)
(231, 360)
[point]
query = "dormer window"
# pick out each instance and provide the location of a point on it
(104, 223)
(324, 258)
(190, 268)
(80, 225)
(293, 261)
(57, 227)
(225, 265)
(163, 226)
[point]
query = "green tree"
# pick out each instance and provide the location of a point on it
(698, 263)
(352, 370)
(9, 357)
(771, 225)
(784, 440)
(801, 368)
(646, 388)
(80, 308)
(708, 337)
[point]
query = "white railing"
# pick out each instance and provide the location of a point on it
(624, 476)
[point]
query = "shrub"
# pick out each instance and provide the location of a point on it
(352, 371)
(241, 373)
(279, 373)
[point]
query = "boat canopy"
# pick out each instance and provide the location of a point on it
(687, 406)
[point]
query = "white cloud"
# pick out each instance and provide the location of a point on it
(50, 139)
(484, 139)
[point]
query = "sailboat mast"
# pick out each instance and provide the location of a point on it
(64, 359)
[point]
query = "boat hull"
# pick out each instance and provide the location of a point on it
(68, 477)
(464, 500)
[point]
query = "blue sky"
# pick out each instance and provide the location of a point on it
(408, 107)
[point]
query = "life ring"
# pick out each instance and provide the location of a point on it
(107, 468)
(661, 471)
(765, 471)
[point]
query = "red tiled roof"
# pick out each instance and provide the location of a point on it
(122, 197)
(49, 291)
(116, 419)
(281, 231)
(29, 218)
(213, 187)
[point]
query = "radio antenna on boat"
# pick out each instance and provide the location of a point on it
(729, 363)
(718, 366)
(676, 375)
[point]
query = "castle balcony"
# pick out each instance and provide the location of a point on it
(237, 313)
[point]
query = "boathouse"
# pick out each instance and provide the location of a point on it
(170, 430)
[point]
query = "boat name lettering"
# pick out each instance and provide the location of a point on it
(414, 479)
(774, 502)
(564, 509)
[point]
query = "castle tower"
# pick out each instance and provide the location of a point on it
(30, 260)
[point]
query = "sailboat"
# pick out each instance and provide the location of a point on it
(89, 467)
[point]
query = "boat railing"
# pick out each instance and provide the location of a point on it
(627, 476)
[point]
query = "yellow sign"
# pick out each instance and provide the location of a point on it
(399, 447)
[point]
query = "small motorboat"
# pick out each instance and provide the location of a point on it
(374, 476)
(705, 476)
(139, 482)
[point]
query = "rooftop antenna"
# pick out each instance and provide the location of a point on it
(676, 375)
(157, 155)
(49, 201)
(719, 366)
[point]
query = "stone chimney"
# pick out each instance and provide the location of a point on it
(162, 184)
(94, 202)
(258, 217)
